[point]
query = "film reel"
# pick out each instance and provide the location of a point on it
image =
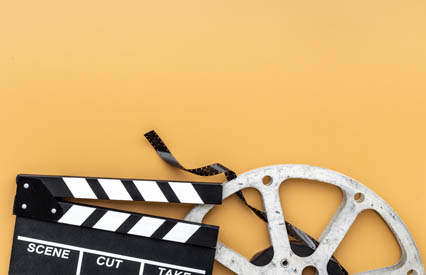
(356, 198)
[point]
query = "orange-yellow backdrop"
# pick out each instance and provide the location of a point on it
(337, 84)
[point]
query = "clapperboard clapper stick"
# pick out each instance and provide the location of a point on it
(53, 236)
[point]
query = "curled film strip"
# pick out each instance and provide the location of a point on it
(302, 245)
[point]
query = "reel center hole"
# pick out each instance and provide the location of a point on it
(284, 263)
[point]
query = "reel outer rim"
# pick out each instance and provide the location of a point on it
(410, 256)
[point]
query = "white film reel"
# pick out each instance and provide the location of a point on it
(356, 198)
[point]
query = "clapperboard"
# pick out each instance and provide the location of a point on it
(55, 236)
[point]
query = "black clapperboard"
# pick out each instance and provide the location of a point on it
(55, 236)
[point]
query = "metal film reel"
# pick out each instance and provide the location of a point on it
(356, 198)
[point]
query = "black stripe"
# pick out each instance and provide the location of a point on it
(209, 193)
(64, 208)
(94, 218)
(97, 189)
(163, 229)
(204, 236)
(132, 190)
(128, 224)
(168, 191)
(55, 185)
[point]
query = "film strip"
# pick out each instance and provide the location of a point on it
(167, 156)
(302, 244)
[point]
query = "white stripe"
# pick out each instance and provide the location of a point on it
(146, 226)
(111, 221)
(76, 215)
(150, 190)
(80, 259)
(181, 232)
(141, 268)
(79, 188)
(115, 189)
(185, 192)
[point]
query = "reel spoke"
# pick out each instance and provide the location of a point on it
(276, 224)
(335, 231)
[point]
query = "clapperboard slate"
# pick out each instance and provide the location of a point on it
(54, 236)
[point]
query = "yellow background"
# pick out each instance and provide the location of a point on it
(337, 84)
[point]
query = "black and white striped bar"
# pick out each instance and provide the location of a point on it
(128, 189)
(136, 224)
